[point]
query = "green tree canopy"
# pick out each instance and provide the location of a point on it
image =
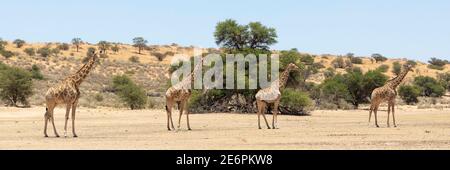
(19, 43)
(16, 85)
(229, 34)
(77, 43)
(140, 43)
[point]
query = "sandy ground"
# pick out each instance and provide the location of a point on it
(146, 129)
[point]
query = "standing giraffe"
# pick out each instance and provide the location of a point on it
(180, 94)
(272, 95)
(387, 93)
(67, 92)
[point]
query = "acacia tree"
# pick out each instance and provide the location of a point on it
(104, 46)
(261, 37)
(378, 57)
(77, 43)
(16, 85)
(140, 43)
(229, 34)
(115, 48)
(19, 43)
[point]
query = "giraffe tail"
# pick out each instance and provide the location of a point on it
(167, 108)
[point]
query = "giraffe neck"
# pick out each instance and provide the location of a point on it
(81, 74)
(194, 72)
(397, 80)
(284, 78)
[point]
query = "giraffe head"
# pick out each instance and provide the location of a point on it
(409, 67)
(292, 66)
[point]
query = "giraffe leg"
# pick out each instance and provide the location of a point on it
(370, 112)
(393, 113)
(169, 107)
(264, 116)
(275, 114)
(181, 114)
(259, 105)
(52, 118)
(186, 109)
(376, 116)
(74, 109)
(66, 118)
(388, 114)
(46, 119)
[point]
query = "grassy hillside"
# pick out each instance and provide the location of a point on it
(149, 72)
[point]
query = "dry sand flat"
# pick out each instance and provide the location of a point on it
(146, 129)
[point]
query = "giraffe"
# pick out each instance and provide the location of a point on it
(67, 92)
(272, 95)
(180, 94)
(387, 93)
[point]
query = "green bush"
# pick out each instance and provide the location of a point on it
(44, 52)
(338, 63)
(330, 72)
(55, 51)
(383, 68)
(36, 72)
(356, 60)
(19, 43)
(444, 79)
(195, 100)
(438, 62)
(429, 86)
(354, 87)
(133, 95)
(30, 51)
(296, 102)
(409, 94)
(159, 56)
(435, 67)
(64, 46)
(379, 58)
(122, 80)
(115, 48)
(134, 59)
(291, 56)
(353, 69)
(16, 85)
(307, 59)
(396, 68)
(332, 91)
(6, 54)
(104, 46)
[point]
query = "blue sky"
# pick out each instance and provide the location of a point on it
(413, 29)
